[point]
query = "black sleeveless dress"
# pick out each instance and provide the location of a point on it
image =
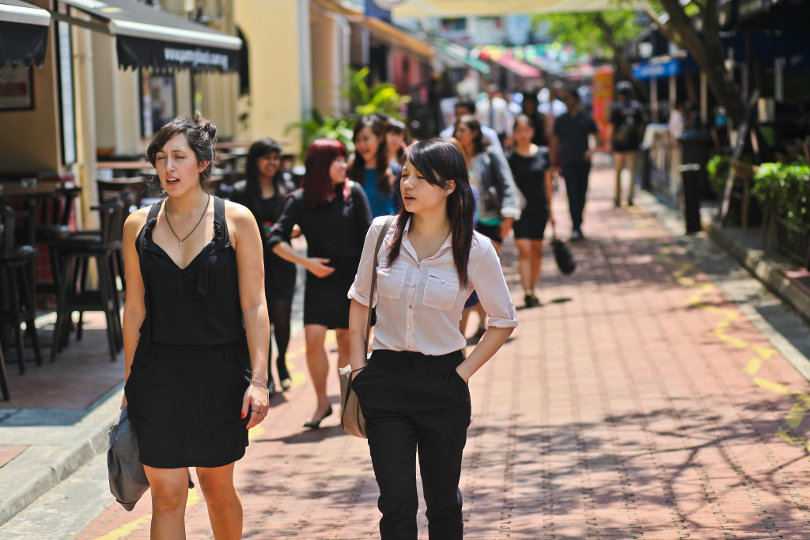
(191, 367)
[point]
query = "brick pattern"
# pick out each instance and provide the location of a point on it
(638, 402)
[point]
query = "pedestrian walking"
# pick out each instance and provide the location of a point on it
(333, 215)
(264, 192)
(462, 108)
(530, 168)
(571, 152)
(627, 130)
(370, 166)
(195, 333)
(395, 139)
(413, 389)
(493, 111)
(531, 108)
(498, 204)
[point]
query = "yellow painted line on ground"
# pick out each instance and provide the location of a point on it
(134, 525)
(256, 431)
(798, 411)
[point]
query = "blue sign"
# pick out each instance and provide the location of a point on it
(649, 70)
(374, 10)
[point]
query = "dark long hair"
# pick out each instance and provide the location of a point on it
(357, 170)
(439, 161)
(261, 147)
(479, 143)
(317, 183)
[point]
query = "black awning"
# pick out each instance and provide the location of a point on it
(23, 33)
(148, 36)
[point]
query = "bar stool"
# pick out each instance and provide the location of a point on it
(74, 254)
(18, 288)
(54, 223)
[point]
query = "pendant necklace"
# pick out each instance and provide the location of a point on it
(181, 240)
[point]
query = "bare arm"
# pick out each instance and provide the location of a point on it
(358, 322)
(313, 264)
(134, 305)
(492, 340)
(250, 271)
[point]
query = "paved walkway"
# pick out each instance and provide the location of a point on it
(638, 402)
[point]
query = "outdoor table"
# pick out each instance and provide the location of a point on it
(130, 168)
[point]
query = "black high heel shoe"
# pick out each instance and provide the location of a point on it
(315, 424)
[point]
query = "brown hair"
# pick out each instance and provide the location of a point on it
(200, 134)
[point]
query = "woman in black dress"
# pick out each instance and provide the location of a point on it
(264, 192)
(530, 169)
(195, 333)
(334, 216)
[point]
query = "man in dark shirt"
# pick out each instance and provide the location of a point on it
(571, 152)
(627, 123)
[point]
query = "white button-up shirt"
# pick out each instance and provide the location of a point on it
(419, 303)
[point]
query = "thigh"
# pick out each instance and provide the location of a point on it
(216, 478)
(314, 334)
(167, 482)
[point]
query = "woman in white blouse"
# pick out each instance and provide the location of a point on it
(413, 390)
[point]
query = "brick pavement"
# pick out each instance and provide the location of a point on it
(638, 402)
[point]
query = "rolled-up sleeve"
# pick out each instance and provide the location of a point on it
(282, 230)
(486, 276)
(361, 287)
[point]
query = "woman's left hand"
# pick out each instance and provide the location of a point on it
(256, 402)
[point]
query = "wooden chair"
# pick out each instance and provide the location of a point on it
(75, 252)
(129, 190)
(19, 304)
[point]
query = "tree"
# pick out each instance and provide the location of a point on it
(694, 26)
(605, 33)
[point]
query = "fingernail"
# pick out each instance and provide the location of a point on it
(243, 415)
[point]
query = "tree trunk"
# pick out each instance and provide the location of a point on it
(707, 51)
(619, 58)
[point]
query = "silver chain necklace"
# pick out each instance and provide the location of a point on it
(181, 240)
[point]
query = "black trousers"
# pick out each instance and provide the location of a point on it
(576, 186)
(412, 402)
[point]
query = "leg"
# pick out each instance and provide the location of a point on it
(343, 344)
(524, 266)
(536, 258)
(280, 314)
(441, 444)
(318, 366)
(618, 164)
(169, 489)
(569, 175)
(392, 445)
(224, 506)
(631, 166)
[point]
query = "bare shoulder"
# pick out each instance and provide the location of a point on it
(135, 222)
(240, 220)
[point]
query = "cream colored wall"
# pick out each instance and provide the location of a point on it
(128, 126)
(105, 81)
(276, 63)
(324, 31)
(29, 140)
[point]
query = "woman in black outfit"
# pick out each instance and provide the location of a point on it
(264, 192)
(334, 216)
(195, 333)
(530, 169)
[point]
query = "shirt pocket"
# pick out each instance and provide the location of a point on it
(441, 290)
(390, 281)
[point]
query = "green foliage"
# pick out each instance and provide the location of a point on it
(591, 32)
(380, 98)
(784, 189)
(718, 169)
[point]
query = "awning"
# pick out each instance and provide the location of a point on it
(148, 36)
(517, 67)
(460, 56)
(23, 33)
(470, 8)
(380, 29)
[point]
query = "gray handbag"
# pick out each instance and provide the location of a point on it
(125, 472)
(352, 420)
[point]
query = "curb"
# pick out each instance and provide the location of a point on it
(766, 271)
(40, 467)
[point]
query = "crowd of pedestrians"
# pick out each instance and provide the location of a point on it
(197, 326)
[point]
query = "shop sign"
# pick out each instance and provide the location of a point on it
(654, 70)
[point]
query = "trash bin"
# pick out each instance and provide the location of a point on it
(643, 167)
(695, 147)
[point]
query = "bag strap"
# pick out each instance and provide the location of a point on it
(383, 232)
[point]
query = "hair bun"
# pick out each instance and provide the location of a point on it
(206, 125)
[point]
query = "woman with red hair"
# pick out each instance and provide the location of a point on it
(334, 216)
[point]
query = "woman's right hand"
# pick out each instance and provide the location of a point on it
(318, 267)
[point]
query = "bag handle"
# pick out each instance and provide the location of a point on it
(383, 232)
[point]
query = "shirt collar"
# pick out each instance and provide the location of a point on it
(408, 247)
